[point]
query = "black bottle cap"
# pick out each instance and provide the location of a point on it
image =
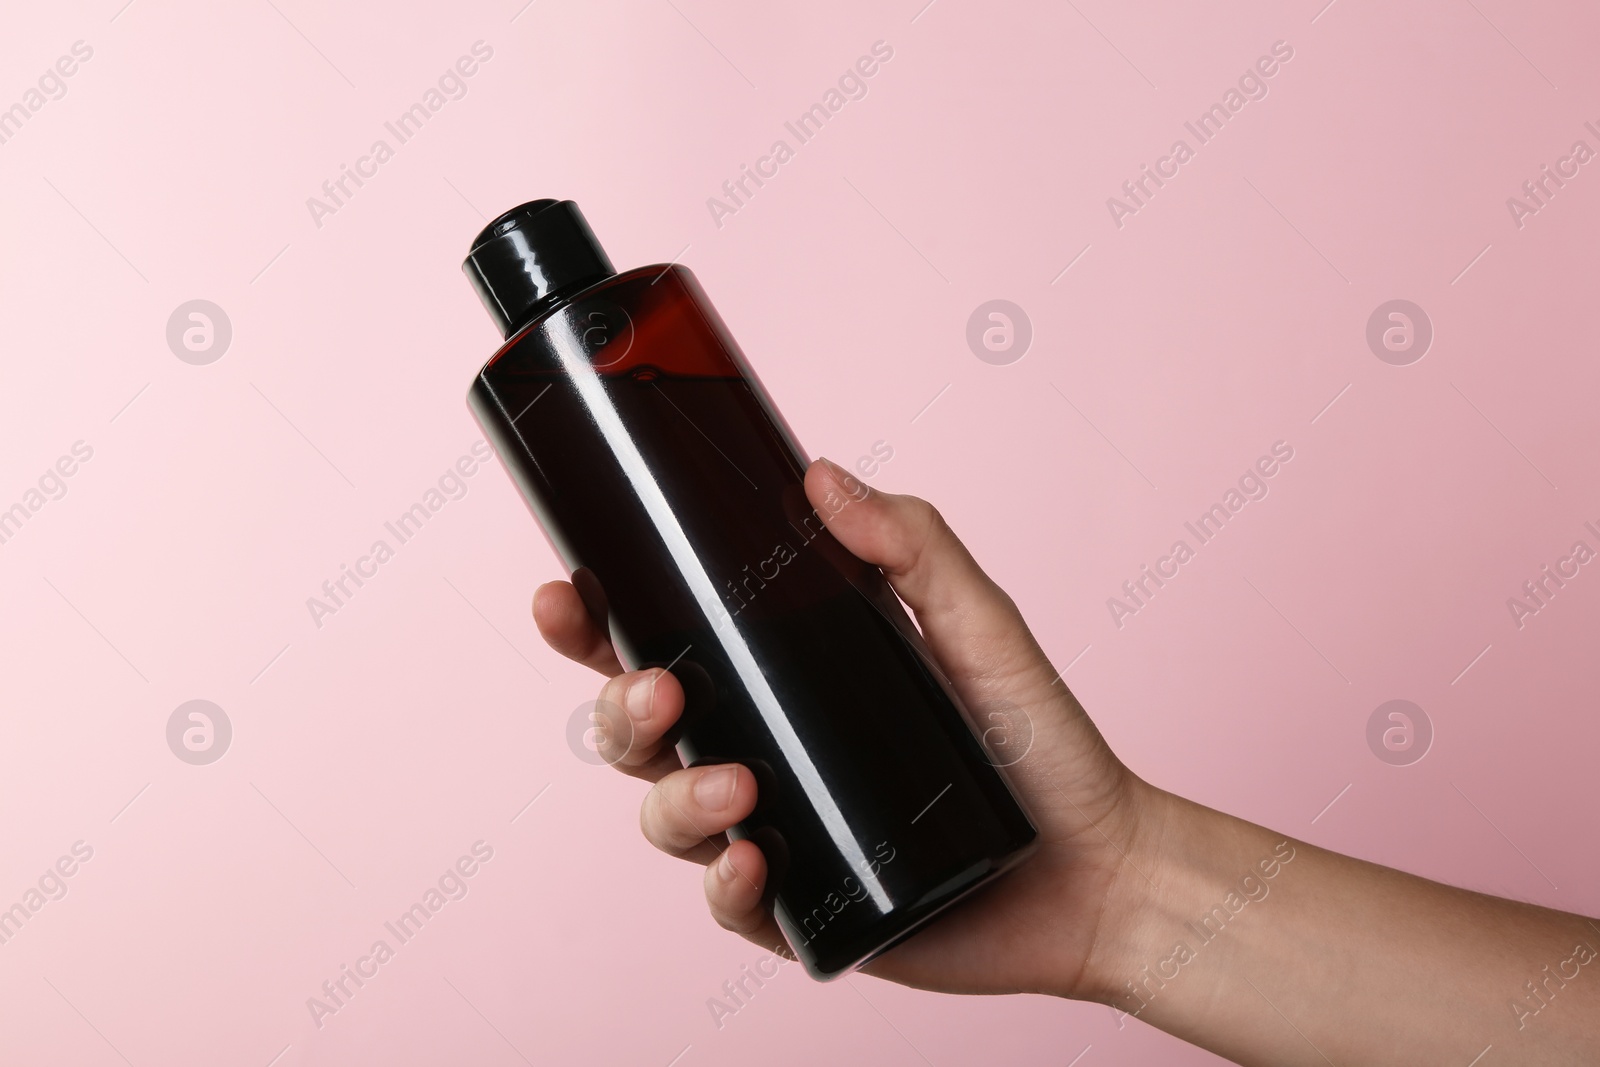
(531, 255)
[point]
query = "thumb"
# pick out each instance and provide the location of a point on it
(971, 626)
(980, 639)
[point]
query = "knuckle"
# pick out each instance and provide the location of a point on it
(925, 526)
(746, 923)
(931, 519)
(737, 922)
(651, 818)
(663, 821)
(613, 688)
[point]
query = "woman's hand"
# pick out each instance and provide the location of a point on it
(1033, 930)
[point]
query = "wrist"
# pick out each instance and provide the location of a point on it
(1191, 872)
(1124, 933)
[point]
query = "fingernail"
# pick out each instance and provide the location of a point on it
(639, 697)
(714, 790)
(725, 870)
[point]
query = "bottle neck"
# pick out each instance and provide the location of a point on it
(548, 303)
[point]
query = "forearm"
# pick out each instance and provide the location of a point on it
(1268, 950)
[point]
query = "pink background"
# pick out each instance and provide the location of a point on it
(370, 753)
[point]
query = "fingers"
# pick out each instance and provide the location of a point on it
(686, 815)
(565, 625)
(635, 709)
(632, 717)
(688, 808)
(972, 626)
(734, 882)
(689, 811)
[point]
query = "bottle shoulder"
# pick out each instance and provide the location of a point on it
(652, 271)
(673, 275)
(656, 317)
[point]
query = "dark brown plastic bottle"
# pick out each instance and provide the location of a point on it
(672, 489)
